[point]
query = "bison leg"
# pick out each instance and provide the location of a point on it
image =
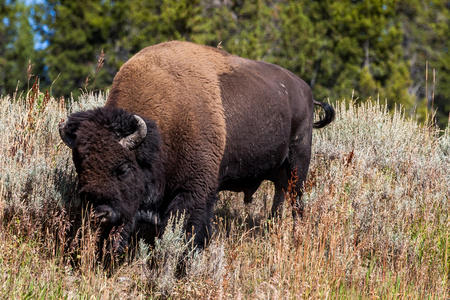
(248, 196)
(281, 183)
(114, 240)
(198, 214)
(121, 241)
(299, 159)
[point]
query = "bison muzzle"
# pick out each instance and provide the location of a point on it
(182, 122)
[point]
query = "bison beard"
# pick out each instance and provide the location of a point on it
(182, 122)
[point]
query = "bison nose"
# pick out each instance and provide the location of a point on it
(106, 215)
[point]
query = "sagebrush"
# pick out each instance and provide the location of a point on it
(376, 220)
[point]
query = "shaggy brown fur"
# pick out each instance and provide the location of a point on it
(177, 85)
(215, 121)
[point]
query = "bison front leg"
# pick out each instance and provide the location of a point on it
(120, 238)
(197, 212)
(114, 242)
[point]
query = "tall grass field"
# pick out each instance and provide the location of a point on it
(376, 222)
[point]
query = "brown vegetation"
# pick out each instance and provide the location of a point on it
(376, 220)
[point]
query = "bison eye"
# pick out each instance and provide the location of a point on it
(123, 170)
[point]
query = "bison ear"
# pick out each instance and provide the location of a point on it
(135, 139)
(66, 138)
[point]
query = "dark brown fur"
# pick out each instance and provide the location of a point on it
(215, 121)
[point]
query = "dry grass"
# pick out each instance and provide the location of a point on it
(376, 221)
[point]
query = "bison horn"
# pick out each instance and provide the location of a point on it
(68, 140)
(134, 139)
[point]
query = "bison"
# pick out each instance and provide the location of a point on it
(183, 121)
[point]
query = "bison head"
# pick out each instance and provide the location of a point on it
(115, 155)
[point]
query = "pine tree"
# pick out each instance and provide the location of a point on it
(338, 47)
(214, 23)
(76, 32)
(378, 49)
(17, 51)
(425, 28)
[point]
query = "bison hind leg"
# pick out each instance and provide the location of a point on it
(299, 159)
(280, 180)
(297, 162)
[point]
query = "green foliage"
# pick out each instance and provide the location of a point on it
(425, 28)
(211, 16)
(76, 31)
(374, 49)
(16, 47)
(345, 46)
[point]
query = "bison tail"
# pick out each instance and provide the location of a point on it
(329, 114)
